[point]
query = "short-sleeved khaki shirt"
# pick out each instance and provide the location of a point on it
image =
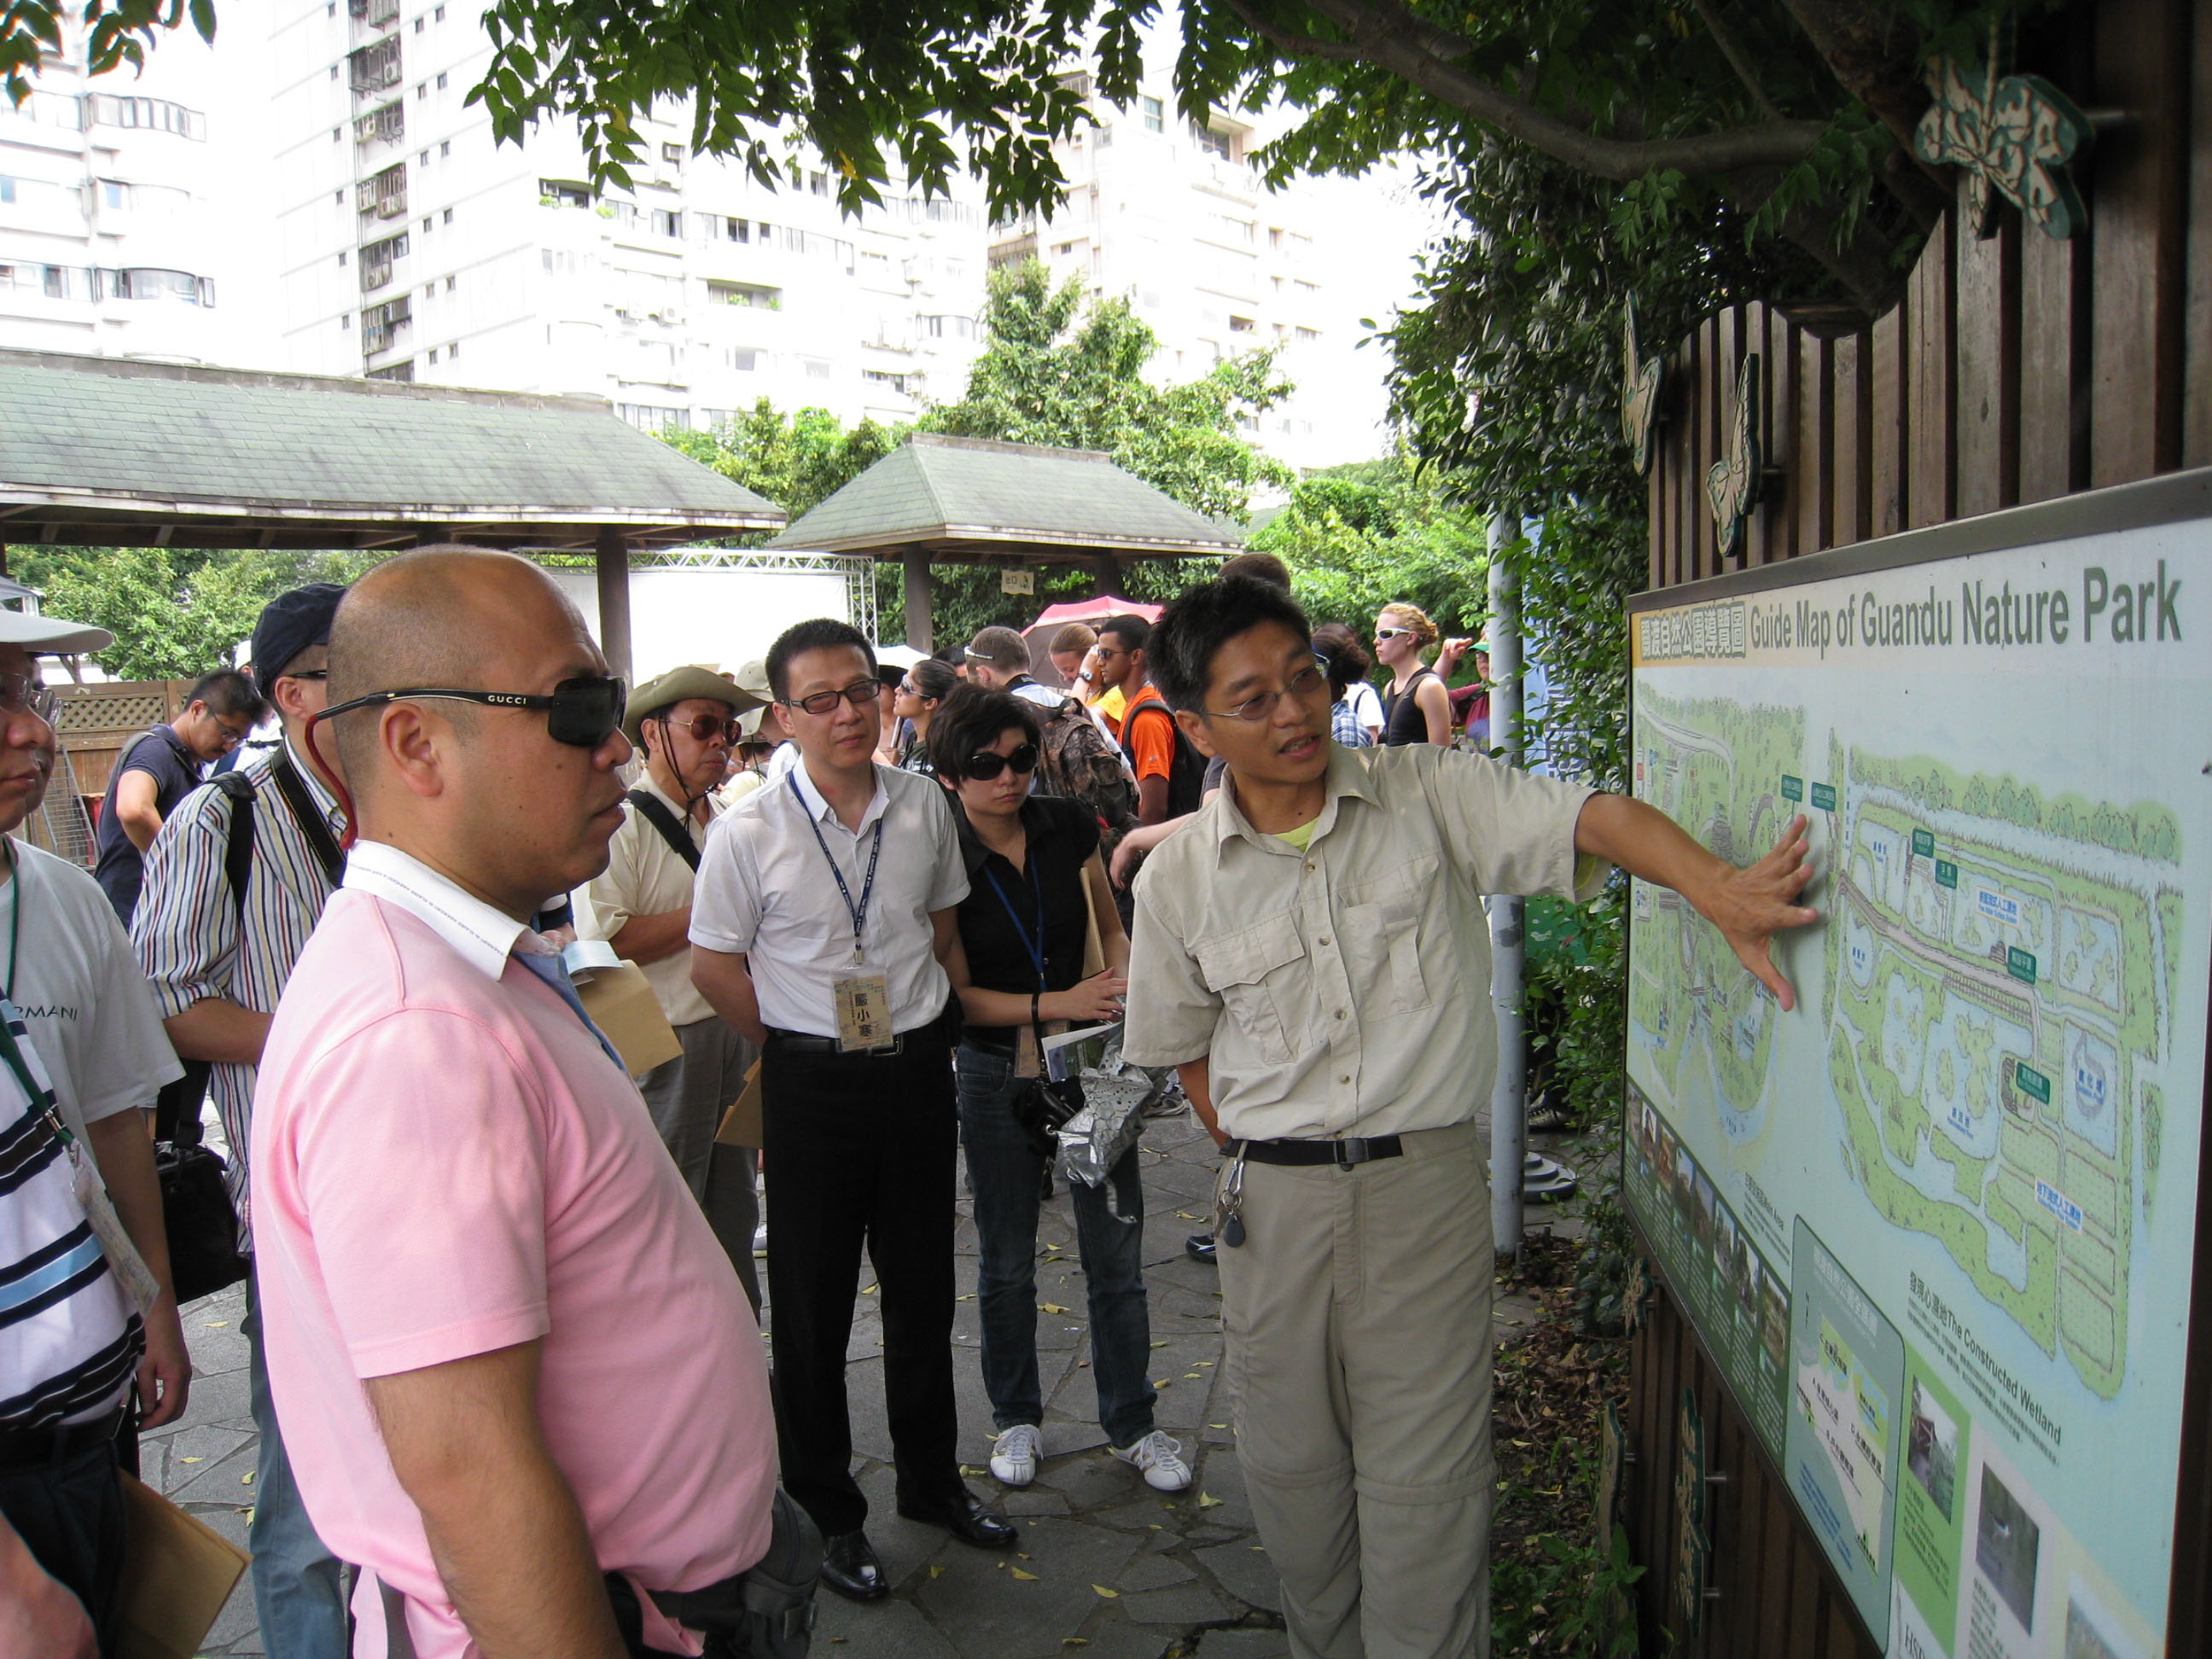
(1346, 990)
(647, 877)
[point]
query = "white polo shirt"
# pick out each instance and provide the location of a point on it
(765, 891)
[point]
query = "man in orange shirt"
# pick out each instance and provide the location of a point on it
(1170, 772)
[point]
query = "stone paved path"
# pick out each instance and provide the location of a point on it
(1106, 1567)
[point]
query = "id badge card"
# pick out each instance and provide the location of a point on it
(864, 1007)
(130, 1267)
(1028, 1058)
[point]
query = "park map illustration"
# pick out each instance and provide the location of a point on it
(1996, 1001)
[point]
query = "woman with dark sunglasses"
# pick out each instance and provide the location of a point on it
(926, 684)
(1023, 927)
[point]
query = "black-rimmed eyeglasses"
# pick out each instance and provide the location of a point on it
(859, 694)
(583, 713)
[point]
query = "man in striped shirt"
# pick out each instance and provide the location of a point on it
(218, 960)
(85, 1301)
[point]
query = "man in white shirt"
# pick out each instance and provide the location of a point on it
(683, 723)
(87, 1304)
(1311, 952)
(823, 920)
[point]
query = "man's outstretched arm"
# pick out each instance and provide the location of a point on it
(1749, 905)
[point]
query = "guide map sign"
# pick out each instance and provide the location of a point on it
(1936, 1224)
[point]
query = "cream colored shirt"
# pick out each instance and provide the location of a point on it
(647, 877)
(1344, 990)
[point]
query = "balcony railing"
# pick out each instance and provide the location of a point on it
(387, 124)
(382, 325)
(384, 196)
(373, 67)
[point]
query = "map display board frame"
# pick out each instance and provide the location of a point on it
(1937, 1225)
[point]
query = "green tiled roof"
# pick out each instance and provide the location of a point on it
(971, 496)
(108, 444)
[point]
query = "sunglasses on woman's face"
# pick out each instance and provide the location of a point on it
(1392, 633)
(986, 766)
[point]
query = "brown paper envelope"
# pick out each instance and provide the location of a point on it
(621, 1003)
(177, 1573)
(741, 1124)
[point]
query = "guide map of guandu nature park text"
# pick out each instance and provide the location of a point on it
(1936, 1225)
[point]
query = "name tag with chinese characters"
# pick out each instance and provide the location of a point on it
(864, 1007)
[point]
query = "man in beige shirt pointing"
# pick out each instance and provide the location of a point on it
(1310, 951)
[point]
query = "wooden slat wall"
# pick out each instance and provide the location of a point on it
(2013, 370)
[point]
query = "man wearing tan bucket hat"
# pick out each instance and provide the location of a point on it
(683, 724)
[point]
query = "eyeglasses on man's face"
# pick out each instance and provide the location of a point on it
(859, 694)
(22, 694)
(232, 735)
(705, 728)
(1305, 685)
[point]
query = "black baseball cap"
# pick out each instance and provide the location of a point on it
(289, 624)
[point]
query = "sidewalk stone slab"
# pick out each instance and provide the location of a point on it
(994, 1615)
(1185, 1604)
(1243, 1644)
(1245, 1572)
(879, 1630)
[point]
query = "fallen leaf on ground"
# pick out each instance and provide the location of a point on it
(870, 1291)
(217, 1324)
(1206, 1500)
(937, 1572)
(1159, 1345)
(1026, 1577)
(194, 1460)
(1050, 1307)
(1108, 1594)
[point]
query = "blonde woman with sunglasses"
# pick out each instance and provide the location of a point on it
(1417, 709)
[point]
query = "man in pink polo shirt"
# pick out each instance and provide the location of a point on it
(521, 1385)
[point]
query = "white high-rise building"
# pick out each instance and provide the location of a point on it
(118, 210)
(1173, 218)
(411, 247)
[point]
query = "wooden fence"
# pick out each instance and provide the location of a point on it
(2016, 369)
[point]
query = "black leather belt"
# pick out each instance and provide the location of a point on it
(802, 1042)
(30, 1447)
(1342, 1153)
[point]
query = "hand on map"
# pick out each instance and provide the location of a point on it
(1753, 904)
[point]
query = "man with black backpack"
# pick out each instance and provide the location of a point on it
(1170, 772)
(235, 881)
(683, 723)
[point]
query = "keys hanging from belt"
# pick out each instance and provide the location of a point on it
(1231, 1227)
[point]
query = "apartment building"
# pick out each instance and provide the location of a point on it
(113, 204)
(1173, 216)
(411, 247)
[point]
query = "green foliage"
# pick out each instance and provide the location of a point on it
(1358, 538)
(1055, 373)
(1574, 1598)
(117, 31)
(795, 460)
(175, 613)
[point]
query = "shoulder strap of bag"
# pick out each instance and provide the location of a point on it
(178, 1112)
(316, 827)
(656, 813)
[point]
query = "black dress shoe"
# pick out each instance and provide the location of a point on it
(1199, 1247)
(967, 1517)
(849, 1567)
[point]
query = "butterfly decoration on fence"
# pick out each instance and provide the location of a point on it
(2017, 136)
(1732, 482)
(1642, 380)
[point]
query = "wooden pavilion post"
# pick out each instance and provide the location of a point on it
(611, 554)
(915, 563)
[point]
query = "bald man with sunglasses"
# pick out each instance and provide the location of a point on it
(519, 1383)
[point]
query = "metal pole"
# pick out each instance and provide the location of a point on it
(610, 563)
(919, 622)
(1508, 1100)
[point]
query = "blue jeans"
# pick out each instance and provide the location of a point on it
(1005, 1175)
(297, 1593)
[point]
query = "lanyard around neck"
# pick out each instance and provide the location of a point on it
(14, 916)
(859, 912)
(1034, 947)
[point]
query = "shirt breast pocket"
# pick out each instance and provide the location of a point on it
(1260, 977)
(1383, 937)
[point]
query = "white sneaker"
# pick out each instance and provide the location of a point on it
(1159, 1457)
(1014, 1454)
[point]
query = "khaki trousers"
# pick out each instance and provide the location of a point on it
(1357, 1318)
